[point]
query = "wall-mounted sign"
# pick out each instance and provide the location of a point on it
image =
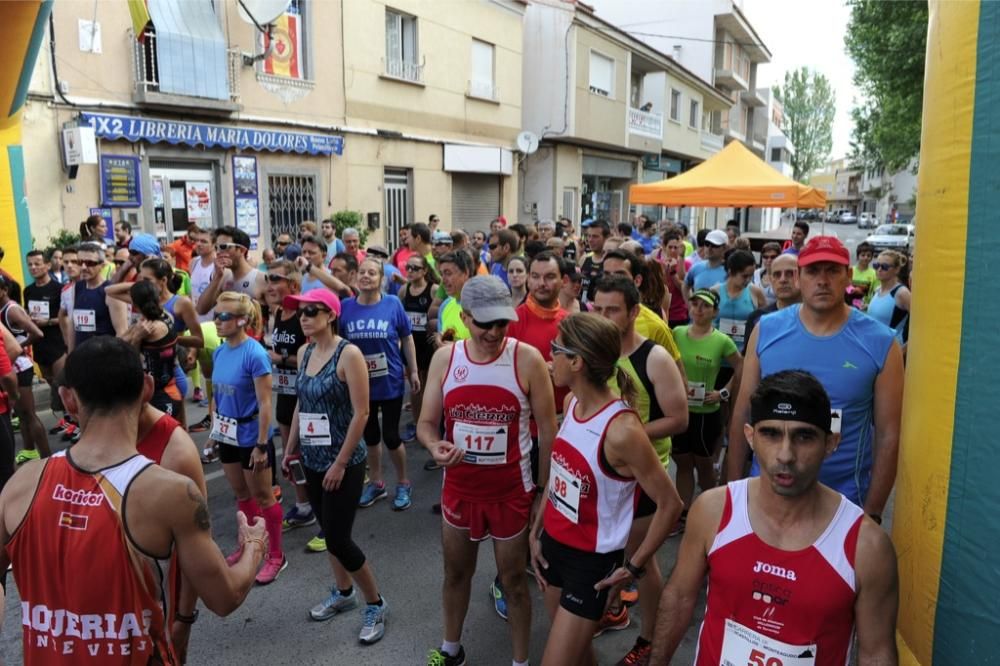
(120, 182)
(79, 145)
(245, 194)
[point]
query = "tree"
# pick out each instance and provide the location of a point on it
(888, 43)
(809, 103)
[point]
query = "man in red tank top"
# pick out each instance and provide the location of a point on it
(794, 568)
(99, 599)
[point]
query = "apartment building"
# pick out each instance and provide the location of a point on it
(609, 110)
(394, 109)
(777, 153)
(883, 193)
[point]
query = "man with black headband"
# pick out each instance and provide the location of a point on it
(794, 567)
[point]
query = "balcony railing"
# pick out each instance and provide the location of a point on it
(484, 90)
(711, 142)
(646, 123)
(146, 76)
(404, 70)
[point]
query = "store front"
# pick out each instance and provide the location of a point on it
(604, 194)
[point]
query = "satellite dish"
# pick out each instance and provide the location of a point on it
(527, 142)
(261, 12)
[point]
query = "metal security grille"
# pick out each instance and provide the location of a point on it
(292, 200)
(397, 185)
(475, 200)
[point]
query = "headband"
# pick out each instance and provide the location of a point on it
(785, 408)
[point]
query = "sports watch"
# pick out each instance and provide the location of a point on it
(724, 394)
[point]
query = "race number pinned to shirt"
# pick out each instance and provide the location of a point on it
(836, 420)
(743, 646)
(482, 445)
(84, 321)
(38, 310)
(696, 394)
(734, 328)
(283, 381)
(564, 492)
(418, 320)
(314, 429)
(377, 364)
(224, 430)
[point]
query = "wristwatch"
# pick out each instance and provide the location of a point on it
(262, 447)
(637, 572)
(187, 619)
(724, 394)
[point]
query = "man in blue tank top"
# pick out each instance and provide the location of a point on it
(92, 314)
(856, 360)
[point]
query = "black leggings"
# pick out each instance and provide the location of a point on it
(7, 447)
(389, 433)
(335, 512)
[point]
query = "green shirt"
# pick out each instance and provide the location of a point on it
(645, 393)
(867, 280)
(450, 317)
(702, 359)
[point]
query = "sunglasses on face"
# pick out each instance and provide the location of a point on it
(882, 267)
(312, 311)
(493, 246)
(274, 278)
(90, 263)
(281, 243)
(414, 267)
(119, 262)
(489, 325)
(227, 246)
(225, 316)
(557, 348)
(769, 256)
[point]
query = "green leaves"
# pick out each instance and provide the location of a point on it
(888, 43)
(809, 105)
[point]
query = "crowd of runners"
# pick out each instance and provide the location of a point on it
(553, 378)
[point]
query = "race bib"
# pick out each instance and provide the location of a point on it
(745, 647)
(377, 364)
(696, 394)
(85, 321)
(483, 445)
(734, 328)
(418, 320)
(836, 420)
(314, 429)
(224, 430)
(564, 492)
(283, 381)
(38, 309)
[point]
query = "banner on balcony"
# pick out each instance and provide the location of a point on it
(134, 129)
(287, 37)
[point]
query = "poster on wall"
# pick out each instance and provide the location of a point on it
(199, 200)
(245, 192)
(120, 182)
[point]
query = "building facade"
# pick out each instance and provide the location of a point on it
(890, 196)
(395, 110)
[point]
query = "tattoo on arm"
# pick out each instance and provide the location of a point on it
(201, 519)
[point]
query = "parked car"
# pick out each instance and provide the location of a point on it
(847, 217)
(900, 237)
(867, 221)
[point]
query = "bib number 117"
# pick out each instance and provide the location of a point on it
(478, 443)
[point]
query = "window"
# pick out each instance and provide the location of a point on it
(776, 154)
(695, 114)
(291, 201)
(675, 105)
(602, 74)
(481, 84)
(401, 47)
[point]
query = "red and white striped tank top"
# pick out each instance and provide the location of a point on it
(486, 413)
(589, 506)
(772, 606)
(88, 594)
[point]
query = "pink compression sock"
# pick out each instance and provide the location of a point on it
(272, 521)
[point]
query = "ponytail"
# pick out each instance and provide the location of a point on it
(626, 387)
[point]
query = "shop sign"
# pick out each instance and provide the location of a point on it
(154, 130)
(120, 182)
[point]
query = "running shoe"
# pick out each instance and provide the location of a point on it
(75, 437)
(317, 544)
(296, 518)
(59, 427)
(638, 655)
(438, 658)
(202, 426)
(197, 395)
(234, 557)
(402, 501)
(276, 490)
(203, 404)
(333, 604)
(24, 455)
(499, 603)
(372, 494)
(409, 434)
(272, 567)
(15, 423)
(431, 465)
(678, 528)
(69, 431)
(612, 621)
(373, 625)
(630, 594)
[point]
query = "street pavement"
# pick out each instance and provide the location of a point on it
(273, 626)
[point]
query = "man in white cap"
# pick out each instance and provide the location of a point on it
(710, 272)
(489, 387)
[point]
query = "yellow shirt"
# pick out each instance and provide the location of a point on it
(648, 325)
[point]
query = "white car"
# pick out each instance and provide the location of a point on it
(867, 221)
(898, 237)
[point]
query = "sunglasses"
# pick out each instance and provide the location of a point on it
(489, 325)
(493, 246)
(226, 316)
(557, 348)
(312, 311)
(414, 267)
(281, 243)
(119, 262)
(882, 267)
(769, 256)
(90, 263)
(446, 244)
(228, 246)
(274, 278)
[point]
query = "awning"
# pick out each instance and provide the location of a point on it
(733, 177)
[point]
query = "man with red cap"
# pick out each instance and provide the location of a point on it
(853, 356)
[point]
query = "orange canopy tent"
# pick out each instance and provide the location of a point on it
(733, 177)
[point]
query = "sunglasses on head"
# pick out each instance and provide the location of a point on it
(557, 348)
(90, 263)
(274, 278)
(488, 325)
(879, 266)
(312, 310)
(226, 316)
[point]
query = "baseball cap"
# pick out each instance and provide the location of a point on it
(708, 296)
(486, 298)
(378, 251)
(824, 248)
(144, 244)
(717, 237)
(293, 251)
(322, 296)
(441, 237)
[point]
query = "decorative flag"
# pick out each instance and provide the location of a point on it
(140, 18)
(284, 58)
